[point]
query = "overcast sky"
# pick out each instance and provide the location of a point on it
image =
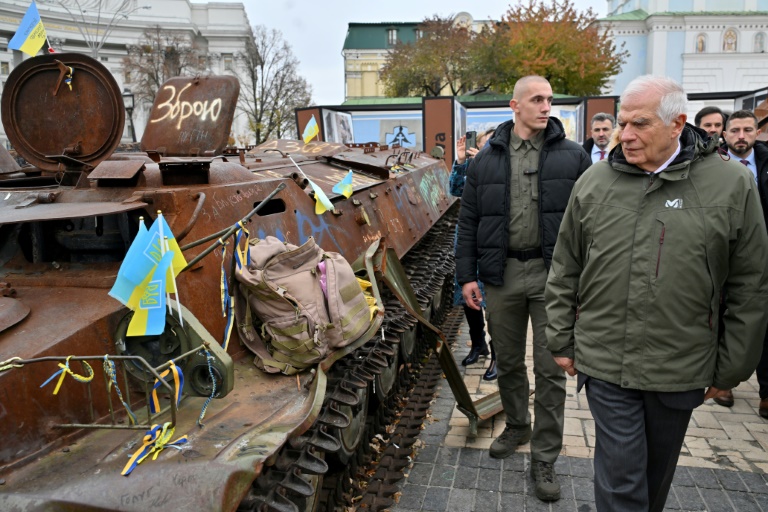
(316, 29)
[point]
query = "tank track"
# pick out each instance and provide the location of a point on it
(307, 473)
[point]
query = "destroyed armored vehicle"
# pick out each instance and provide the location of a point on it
(67, 220)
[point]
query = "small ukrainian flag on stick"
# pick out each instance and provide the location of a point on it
(311, 130)
(31, 35)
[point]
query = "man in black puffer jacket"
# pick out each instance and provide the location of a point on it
(516, 191)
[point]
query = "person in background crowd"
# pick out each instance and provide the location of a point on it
(741, 140)
(711, 120)
(475, 318)
(649, 239)
(514, 197)
(601, 127)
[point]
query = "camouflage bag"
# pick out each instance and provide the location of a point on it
(295, 305)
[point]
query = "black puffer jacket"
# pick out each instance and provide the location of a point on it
(481, 251)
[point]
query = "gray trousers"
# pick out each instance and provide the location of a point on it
(638, 438)
(508, 308)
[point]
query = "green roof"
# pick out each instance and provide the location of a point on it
(640, 14)
(373, 36)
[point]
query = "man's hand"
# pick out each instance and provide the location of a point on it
(566, 363)
(472, 296)
(713, 392)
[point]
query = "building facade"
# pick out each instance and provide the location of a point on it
(709, 46)
(365, 52)
(221, 31)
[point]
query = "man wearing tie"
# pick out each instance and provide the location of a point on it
(601, 127)
(741, 140)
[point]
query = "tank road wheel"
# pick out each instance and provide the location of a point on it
(349, 438)
(386, 379)
(408, 339)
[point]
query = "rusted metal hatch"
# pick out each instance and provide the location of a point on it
(192, 116)
(83, 110)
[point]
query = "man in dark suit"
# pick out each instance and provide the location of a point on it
(741, 140)
(601, 128)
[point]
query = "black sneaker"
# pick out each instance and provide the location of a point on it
(543, 474)
(508, 441)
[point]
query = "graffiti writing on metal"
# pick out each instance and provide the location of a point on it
(298, 147)
(430, 189)
(176, 108)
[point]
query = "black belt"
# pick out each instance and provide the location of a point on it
(528, 254)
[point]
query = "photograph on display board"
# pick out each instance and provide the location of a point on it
(459, 120)
(402, 127)
(338, 127)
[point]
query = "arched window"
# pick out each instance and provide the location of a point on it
(701, 43)
(730, 41)
(759, 43)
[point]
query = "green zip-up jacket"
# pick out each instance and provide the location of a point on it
(641, 263)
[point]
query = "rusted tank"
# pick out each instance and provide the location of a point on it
(66, 222)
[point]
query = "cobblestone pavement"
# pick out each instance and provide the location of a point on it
(722, 465)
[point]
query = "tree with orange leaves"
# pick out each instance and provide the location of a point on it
(547, 38)
(551, 39)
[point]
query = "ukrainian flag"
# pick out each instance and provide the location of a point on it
(322, 203)
(311, 130)
(344, 187)
(148, 301)
(123, 287)
(30, 36)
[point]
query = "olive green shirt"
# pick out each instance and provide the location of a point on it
(524, 191)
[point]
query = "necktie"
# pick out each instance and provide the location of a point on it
(602, 155)
(745, 162)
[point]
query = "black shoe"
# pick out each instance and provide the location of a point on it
(474, 355)
(490, 373)
(547, 487)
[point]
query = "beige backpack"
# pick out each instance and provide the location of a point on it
(295, 305)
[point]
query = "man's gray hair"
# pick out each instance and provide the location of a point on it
(602, 116)
(673, 100)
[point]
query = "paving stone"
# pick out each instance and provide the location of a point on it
(682, 478)
(534, 504)
(462, 500)
(583, 489)
(585, 506)
(466, 478)
(562, 466)
(436, 498)
(582, 467)
(486, 461)
(755, 483)
(688, 498)
(487, 500)
(515, 462)
(730, 480)
(513, 482)
(512, 502)
(716, 500)
(563, 505)
(566, 487)
(489, 479)
(442, 476)
(743, 502)
(672, 502)
(448, 456)
(413, 496)
(704, 478)
(420, 474)
(469, 458)
(428, 453)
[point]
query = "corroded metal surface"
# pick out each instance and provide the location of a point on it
(61, 246)
(43, 117)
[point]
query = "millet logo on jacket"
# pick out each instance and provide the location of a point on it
(674, 203)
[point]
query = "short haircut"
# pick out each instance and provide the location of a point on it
(673, 100)
(602, 116)
(706, 111)
(522, 84)
(742, 114)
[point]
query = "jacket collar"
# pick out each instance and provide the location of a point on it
(694, 144)
(553, 131)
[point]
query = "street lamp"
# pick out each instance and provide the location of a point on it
(128, 102)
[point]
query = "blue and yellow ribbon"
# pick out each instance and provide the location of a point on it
(242, 255)
(64, 370)
(208, 358)
(155, 440)
(178, 386)
(109, 370)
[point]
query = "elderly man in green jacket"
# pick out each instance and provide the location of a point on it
(652, 238)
